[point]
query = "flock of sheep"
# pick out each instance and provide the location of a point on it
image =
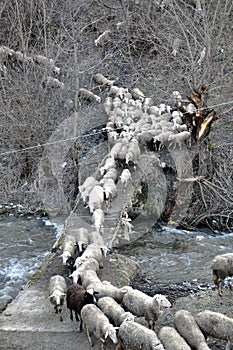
(126, 316)
(134, 123)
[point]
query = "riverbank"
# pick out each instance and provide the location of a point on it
(29, 322)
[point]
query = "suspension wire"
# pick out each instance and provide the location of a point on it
(97, 133)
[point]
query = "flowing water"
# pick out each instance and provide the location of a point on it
(171, 257)
(24, 243)
(166, 256)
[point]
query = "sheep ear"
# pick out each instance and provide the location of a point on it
(106, 335)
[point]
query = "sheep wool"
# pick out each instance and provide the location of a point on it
(114, 311)
(217, 325)
(222, 267)
(57, 292)
(172, 340)
(76, 298)
(187, 327)
(134, 336)
(97, 323)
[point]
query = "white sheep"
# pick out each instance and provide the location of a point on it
(176, 46)
(187, 327)
(147, 104)
(116, 148)
(69, 248)
(138, 94)
(115, 313)
(140, 123)
(102, 80)
(97, 238)
(138, 106)
(108, 105)
(81, 237)
(190, 108)
(88, 278)
(88, 95)
(92, 251)
(116, 103)
(222, 267)
(146, 137)
(57, 292)
(88, 264)
(51, 82)
(106, 289)
(179, 139)
(125, 223)
(133, 152)
(112, 138)
(102, 38)
(47, 62)
(110, 190)
(22, 57)
(98, 219)
(86, 187)
(154, 110)
(118, 120)
(113, 91)
(163, 302)
(97, 323)
(126, 133)
(172, 340)
(5, 53)
(109, 163)
(111, 174)
(121, 93)
(142, 305)
(176, 117)
(125, 177)
(119, 149)
(216, 325)
(134, 336)
(127, 97)
(176, 96)
(96, 198)
(180, 127)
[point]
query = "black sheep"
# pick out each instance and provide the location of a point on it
(76, 297)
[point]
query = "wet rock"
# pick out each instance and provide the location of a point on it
(4, 300)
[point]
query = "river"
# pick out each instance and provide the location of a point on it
(167, 256)
(24, 243)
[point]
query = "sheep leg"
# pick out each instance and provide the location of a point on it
(119, 345)
(55, 308)
(81, 325)
(219, 290)
(228, 346)
(76, 316)
(71, 315)
(61, 319)
(217, 282)
(88, 335)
